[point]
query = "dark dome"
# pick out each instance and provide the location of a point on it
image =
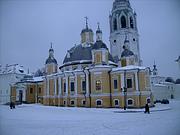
(178, 81)
(169, 79)
(86, 30)
(78, 53)
(99, 44)
(98, 31)
(127, 53)
(51, 60)
(51, 50)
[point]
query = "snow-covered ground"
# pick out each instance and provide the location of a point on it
(44, 120)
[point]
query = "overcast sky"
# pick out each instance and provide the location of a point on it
(28, 26)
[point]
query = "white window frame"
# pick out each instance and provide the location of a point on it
(100, 90)
(113, 84)
(115, 104)
(82, 102)
(132, 102)
(72, 92)
(82, 79)
(101, 103)
(72, 104)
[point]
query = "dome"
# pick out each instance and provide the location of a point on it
(127, 53)
(99, 44)
(51, 50)
(80, 53)
(86, 30)
(51, 60)
(169, 79)
(178, 81)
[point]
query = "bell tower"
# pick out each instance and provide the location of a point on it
(123, 24)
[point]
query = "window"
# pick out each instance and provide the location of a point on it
(123, 22)
(64, 87)
(98, 85)
(98, 58)
(72, 86)
(98, 102)
(130, 102)
(129, 83)
(39, 90)
(83, 86)
(115, 24)
(31, 90)
(115, 84)
(72, 102)
(131, 22)
(64, 102)
(83, 102)
(116, 102)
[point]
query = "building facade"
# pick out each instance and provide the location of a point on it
(9, 75)
(91, 76)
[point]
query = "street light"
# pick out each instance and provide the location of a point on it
(84, 90)
(125, 94)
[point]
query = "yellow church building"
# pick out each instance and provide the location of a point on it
(93, 76)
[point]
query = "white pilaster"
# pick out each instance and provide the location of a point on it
(122, 80)
(59, 84)
(137, 81)
(67, 84)
(87, 84)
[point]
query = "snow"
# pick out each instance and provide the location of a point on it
(14, 68)
(37, 119)
(130, 67)
(38, 79)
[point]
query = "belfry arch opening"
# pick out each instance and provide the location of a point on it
(123, 22)
(115, 24)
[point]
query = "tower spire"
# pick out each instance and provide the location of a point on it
(51, 45)
(98, 33)
(86, 22)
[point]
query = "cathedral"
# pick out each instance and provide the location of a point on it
(92, 75)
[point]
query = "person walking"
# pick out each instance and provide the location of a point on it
(147, 109)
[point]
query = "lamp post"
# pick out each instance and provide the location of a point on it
(125, 96)
(84, 90)
(125, 90)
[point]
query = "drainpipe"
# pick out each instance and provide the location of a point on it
(110, 88)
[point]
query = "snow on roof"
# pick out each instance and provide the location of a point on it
(14, 68)
(160, 85)
(38, 79)
(130, 67)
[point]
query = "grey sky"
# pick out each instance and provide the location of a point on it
(28, 26)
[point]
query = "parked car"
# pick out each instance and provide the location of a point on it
(165, 101)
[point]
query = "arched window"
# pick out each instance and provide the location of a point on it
(131, 22)
(115, 24)
(123, 22)
(98, 102)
